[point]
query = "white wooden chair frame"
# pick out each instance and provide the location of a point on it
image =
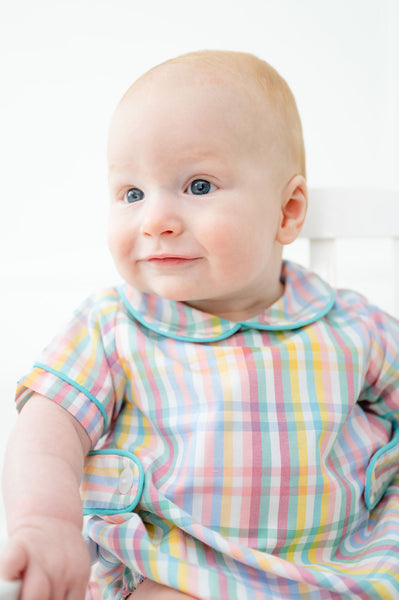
(339, 213)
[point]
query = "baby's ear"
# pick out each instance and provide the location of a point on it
(294, 205)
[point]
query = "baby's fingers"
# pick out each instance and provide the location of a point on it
(35, 585)
(13, 561)
(77, 591)
(51, 584)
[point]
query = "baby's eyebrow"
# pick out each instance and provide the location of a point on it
(119, 167)
(194, 160)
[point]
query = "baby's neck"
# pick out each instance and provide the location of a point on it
(240, 309)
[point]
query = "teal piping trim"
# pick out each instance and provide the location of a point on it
(78, 387)
(231, 331)
(132, 506)
(392, 413)
(370, 469)
(298, 325)
(140, 319)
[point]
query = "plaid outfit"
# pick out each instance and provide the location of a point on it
(236, 460)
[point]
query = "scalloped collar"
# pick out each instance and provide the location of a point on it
(306, 299)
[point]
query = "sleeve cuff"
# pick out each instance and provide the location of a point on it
(70, 396)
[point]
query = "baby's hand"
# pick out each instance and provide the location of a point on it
(51, 558)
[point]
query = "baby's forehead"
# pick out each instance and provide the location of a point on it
(179, 95)
(176, 93)
(215, 87)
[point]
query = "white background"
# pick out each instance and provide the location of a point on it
(64, 66)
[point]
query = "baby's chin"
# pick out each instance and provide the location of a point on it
(167, 292)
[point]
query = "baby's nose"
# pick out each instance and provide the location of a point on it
(161, 217)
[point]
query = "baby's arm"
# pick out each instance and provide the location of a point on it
(41, 477)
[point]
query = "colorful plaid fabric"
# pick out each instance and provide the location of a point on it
(270, 448)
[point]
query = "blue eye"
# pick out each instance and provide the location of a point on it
(133, 195)
(200, 187)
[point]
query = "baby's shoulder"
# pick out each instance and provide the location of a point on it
(349, 300)
(353, 307)
(106, 297)
(101, 303)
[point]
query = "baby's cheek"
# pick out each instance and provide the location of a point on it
(119, 241)
(112, 233)
(222, 234)
(233, 243)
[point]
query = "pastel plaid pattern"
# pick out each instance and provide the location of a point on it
(112, 482)
(269, 447)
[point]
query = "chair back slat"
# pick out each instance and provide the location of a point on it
(341, 213)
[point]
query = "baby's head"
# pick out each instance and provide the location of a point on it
(207, 178)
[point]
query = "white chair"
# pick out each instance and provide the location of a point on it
(9, 590)
(335, 214)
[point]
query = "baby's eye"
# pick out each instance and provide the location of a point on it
(133, 195)
(200, 187)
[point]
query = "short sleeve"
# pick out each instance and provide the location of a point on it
(80, 369)
(381, 389)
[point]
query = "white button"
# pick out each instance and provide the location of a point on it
(126, 480)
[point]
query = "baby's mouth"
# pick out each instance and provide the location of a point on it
(170, 260)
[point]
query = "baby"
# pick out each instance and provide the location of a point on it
(228, 420)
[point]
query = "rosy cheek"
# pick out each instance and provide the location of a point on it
(112, 236)
(223, 238)
(120, 236)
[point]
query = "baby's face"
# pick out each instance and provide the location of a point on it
(195, 199)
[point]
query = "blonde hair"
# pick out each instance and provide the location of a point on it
(274, 92)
